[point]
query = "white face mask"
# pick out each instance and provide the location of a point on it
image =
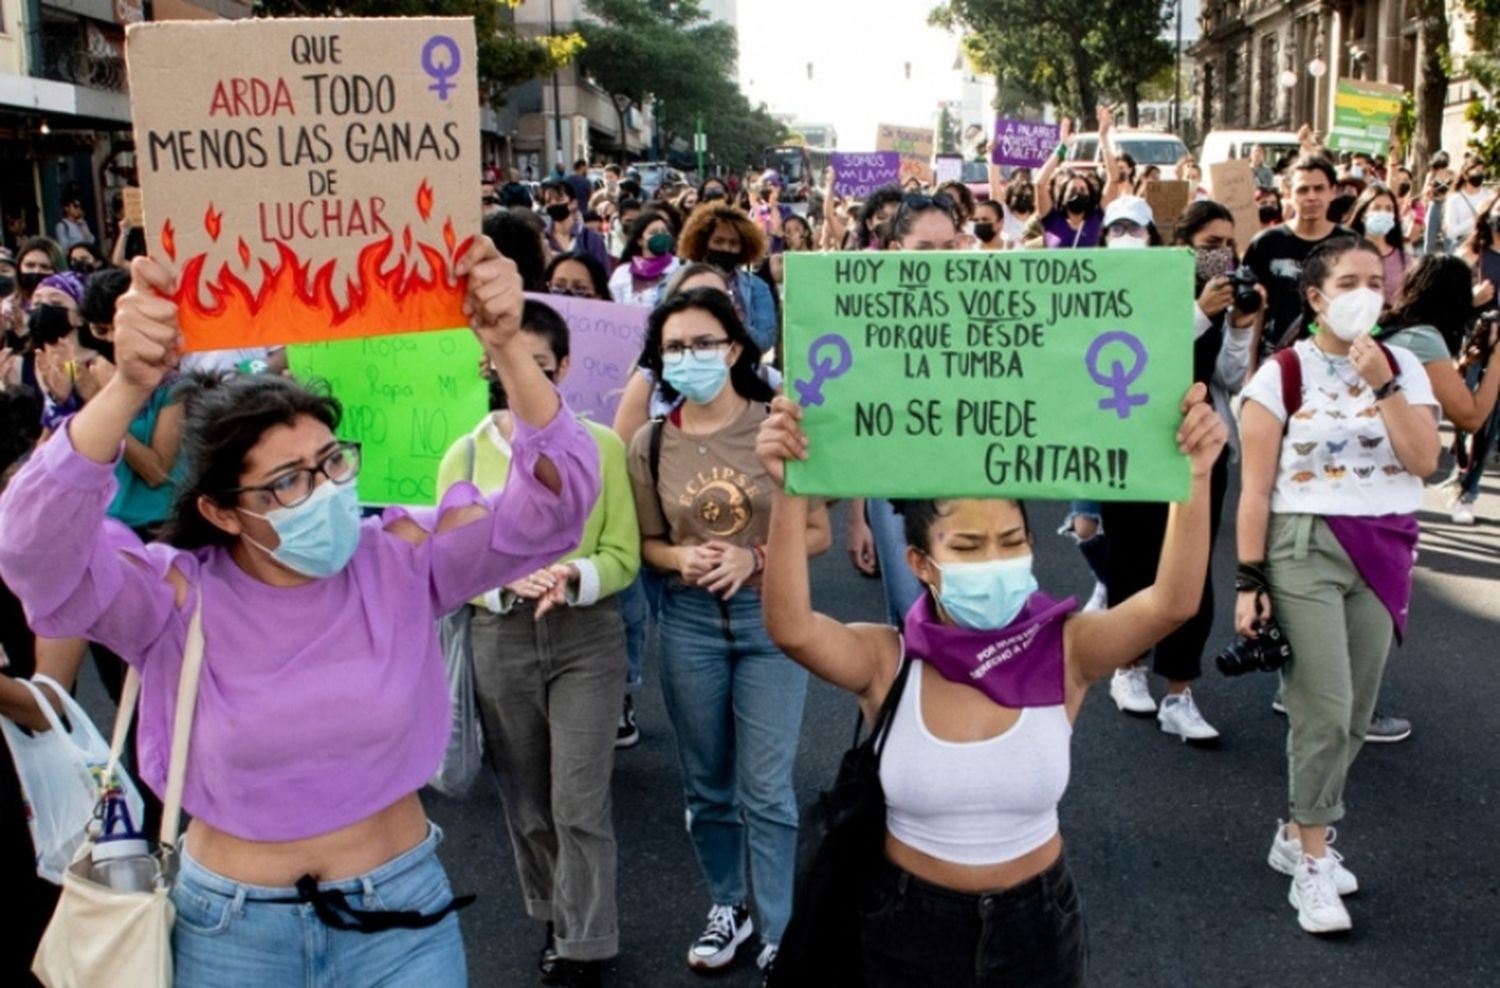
(1127, 241)
(1379, 224)
(1353, 314)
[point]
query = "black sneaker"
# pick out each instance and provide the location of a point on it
(547, 960)
(628, 735)
(728, 927)
(575, 974)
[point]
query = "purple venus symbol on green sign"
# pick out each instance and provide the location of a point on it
(441, 72)
(825, 366)
(1118, 380)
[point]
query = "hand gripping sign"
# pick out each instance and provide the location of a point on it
(1046, 374)
(309, 179)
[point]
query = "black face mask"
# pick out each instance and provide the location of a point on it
(724, 260)
(98, 344)
(29, 280)
(7, 285)
(1476, 179)
(984, 231)
(49, 324)
(1023, 205)
(713, 195)
(558, 211)
(83, 267)
(1270, 214)
(1076, 204)
(1403, 190)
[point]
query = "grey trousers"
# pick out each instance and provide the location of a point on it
(1340, 635)
(549, 695)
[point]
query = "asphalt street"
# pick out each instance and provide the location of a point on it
(1168, 842)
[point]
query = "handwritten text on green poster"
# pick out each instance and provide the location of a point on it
(406, 399)
(1045, 374)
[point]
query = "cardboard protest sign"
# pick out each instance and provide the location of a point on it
(1023, 143)
(915, 147)
(1167, 200)
(1046, 374)
(406, 400)
(308, 179)
(856, 175)
(130, 200)
(604, 343)
(948, 168)
(1233, 185)
(1363, 114)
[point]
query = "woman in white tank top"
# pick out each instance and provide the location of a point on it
(973, 889)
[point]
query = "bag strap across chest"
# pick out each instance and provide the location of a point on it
(1291, 377)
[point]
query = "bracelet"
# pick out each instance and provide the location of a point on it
(1250, 577)
(1062, 152)
(1387, 389)
(758, 560)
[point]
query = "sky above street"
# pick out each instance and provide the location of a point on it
(858, 49)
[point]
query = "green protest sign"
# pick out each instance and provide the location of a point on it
(406, 399)
(1362, 115)
(1038, 374)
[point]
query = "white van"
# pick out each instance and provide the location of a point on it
(1147, 147)
(1282, 147)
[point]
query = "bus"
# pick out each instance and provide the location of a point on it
(801, 169)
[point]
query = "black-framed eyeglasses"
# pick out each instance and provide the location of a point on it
(704, 348)
(294, 487)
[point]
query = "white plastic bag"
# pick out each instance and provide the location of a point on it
(60, 772)
(465, 750)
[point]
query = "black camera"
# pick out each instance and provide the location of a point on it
(1246, 296)
(1478, 346)
(1266, 653)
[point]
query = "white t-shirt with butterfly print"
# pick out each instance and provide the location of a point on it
(1336, 456)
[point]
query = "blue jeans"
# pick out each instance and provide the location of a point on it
(228, 936)
(735, 703)
(1095, 549)
(635, 611)
(1481, 445)
(902, 588)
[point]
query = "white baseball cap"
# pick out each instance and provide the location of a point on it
(1132, 208)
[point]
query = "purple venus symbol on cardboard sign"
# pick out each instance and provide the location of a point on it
(824, 367)
(441, 73)
(1118, 380)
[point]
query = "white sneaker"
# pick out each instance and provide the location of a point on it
(1286, 852)
(1463, 513)
(1130, 690)
(1098, 600)
(1316, 899)
(767, 956)
(1179, 715)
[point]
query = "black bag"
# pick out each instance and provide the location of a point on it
(842, 837)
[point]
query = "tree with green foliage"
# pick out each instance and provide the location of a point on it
(947, 132)
(506, 59)
(1484, 66)
(667, 53)
(1063, 52)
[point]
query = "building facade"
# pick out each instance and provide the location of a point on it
(1274, 64)
(65, 106)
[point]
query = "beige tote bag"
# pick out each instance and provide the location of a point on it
(101, 935)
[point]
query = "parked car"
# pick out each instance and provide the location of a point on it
(1147, 147)
(1281, 146)
(653, 173)
(976, 175)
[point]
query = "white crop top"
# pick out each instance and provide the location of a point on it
(979, 802)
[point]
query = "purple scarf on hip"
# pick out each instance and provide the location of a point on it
(1384, 550)
(1017, 666)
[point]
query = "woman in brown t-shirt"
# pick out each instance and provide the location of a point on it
(734, 699)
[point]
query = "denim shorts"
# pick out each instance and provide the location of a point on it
(232, 935)
(917, 934)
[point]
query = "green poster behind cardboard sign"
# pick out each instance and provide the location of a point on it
(1362, 115)
(406, 399)
(1034, 374)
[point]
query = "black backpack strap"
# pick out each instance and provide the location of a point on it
(653, 457)
(888, 706)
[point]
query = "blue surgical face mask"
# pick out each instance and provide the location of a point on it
(986, 596)
(1379, 224)
(319, 536)
(699, 381)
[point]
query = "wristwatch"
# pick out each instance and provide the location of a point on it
(1387, 389)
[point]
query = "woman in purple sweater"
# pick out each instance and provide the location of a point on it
(323, 706)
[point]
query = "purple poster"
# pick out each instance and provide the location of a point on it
(1023, 142)
(604, 343)
(857, 174)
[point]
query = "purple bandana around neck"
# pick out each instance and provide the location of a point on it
(1020, 665)
(1384, 550)
(645, 268)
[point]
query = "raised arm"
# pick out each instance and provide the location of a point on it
(860, 658)
(1101, 642)
(1044, 180)
(1112, 186)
